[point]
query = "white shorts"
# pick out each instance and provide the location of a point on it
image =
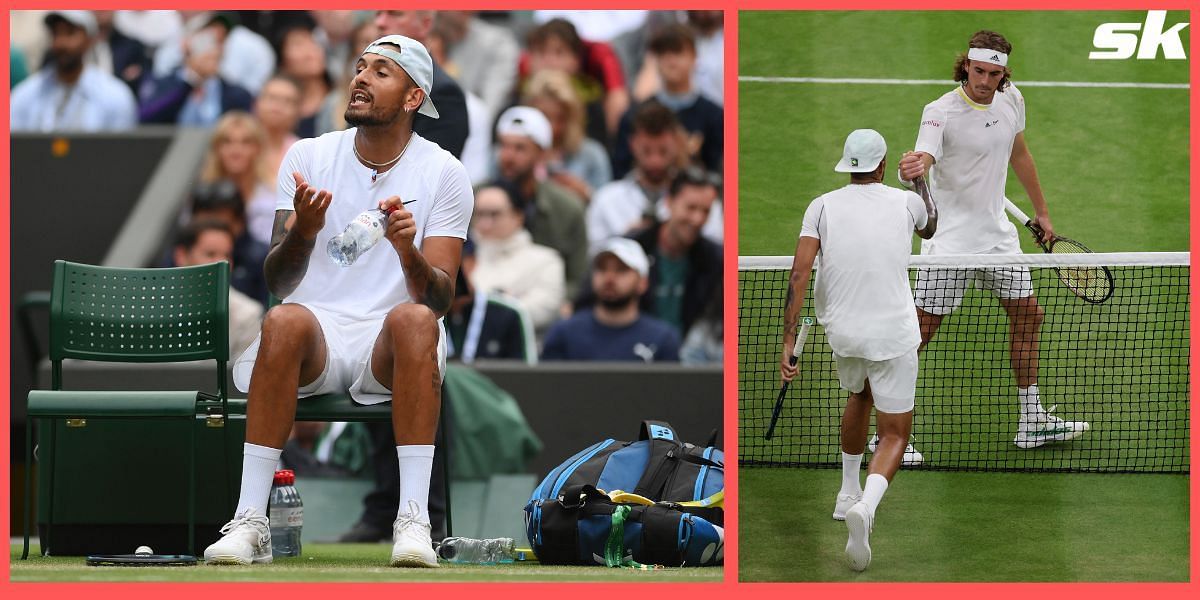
(349, 344)
(940, 291)
(893, 381)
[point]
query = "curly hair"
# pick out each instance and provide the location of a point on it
(989, 40)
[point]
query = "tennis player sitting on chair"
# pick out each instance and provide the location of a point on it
(973, 133)
(372, 329)
(863, 233)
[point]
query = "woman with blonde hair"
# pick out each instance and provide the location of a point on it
(575, 161)
(237, 153)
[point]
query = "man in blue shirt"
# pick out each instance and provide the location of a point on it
(69, 95)
(614, 328)
(196, 94)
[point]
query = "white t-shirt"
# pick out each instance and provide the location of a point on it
(375, 283)
(971, 144)
(862, 296)
(618, 206)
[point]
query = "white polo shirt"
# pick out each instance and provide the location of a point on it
(971, 144)
(375, 282)
(862, 296)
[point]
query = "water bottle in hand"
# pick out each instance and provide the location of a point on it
(286, 513)
(478, 552)
(359, 236)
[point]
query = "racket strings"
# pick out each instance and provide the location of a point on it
(1092, 284)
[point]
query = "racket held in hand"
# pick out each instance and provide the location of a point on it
(1092, 284)
(796, 350)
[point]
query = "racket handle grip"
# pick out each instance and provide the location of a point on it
(798, 347)
(1016, 212)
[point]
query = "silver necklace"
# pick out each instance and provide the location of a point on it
(378, 166)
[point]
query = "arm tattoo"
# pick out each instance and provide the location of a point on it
(930, 228)
(427, 284)
(288, 259)
(789, 319)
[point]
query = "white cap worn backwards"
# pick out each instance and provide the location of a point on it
(526, 121)
(862, 153)
(414, 59)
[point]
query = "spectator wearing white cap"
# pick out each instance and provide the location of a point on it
(553, 214)
(507, 259)
(685, 267)
(615, 329)
(68, 94)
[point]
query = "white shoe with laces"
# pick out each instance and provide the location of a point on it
(858, 545)
(413, 545)
(843, 504)
(912, 457)
(246, 540)
(1041, 427)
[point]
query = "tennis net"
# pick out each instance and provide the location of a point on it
(1121, 365)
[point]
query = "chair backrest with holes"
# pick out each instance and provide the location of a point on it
(140, 315)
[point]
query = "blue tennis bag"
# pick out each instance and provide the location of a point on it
(570, 519)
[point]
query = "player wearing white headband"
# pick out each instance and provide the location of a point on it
(372, 329)
(967, 140)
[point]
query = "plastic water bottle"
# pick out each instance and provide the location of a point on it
(286, 514)
(477, 552)
(359, 236)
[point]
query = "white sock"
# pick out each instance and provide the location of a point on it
(1030, 403)
(258, 472)
(850, 473)
(416, 466)
(873, 492)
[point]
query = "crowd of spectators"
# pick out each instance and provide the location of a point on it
(594, 139)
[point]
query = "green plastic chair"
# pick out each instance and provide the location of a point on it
(131, 315)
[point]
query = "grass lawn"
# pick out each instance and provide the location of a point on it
(935, 526)
(340, 562)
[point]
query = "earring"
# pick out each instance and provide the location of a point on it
(407, 109)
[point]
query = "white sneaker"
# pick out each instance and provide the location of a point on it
(413, 545)
(911, 458)
(246, 540)
(843, 504)
(1039, 428)
(858, 546)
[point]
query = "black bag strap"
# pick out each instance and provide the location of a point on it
(660, 536)
(658, 430)
(698, 459)
(660, 465)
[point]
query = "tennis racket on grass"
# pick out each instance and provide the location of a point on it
(1091, 284)
(796, 350)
